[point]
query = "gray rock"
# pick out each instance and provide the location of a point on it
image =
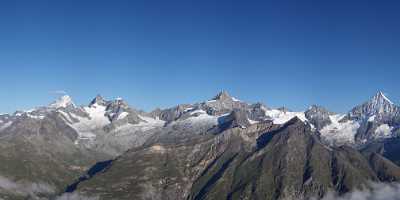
(318, 116)
(222, 103)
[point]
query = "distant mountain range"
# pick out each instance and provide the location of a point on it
(222, 148)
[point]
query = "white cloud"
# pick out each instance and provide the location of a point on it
(59, 92)
(31, 190)
(75, 196)
(25, 188)
(374, 191)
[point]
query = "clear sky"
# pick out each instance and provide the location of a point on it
(162, 53)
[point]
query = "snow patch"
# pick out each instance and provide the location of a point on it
(86, 125)
(383, 131)
(384, 97)
(6, 125)
(198, 118)
(281, 117)
(150, 123)
(340, 133)
(63, 102)
(234, 99)
(35, 116)
(372, 118)
(188, 109)
(122, 115)
(157, 149)
(251, 121)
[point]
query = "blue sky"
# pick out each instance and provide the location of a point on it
(162, 53)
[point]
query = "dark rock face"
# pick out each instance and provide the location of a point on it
(237, 118)
(172, 114)
(117, 107)
(318, 116)
(389, 148)
(256, 112)
(259, 162)
(115, 111)
(384, 169)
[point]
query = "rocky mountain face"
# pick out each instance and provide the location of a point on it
(39, 157)
(376, 119)
(379, 107)
(53, 145)
(318, 116)
(263, 161)
(222, 148)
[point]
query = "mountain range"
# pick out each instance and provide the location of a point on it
(222, 148)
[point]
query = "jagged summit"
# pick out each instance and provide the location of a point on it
(284, 109)
(379, 107)
(224, 96)
(99, 100)
(318, 116)
(119, 101)
(378, 104)
(380, 99)
(318, 108)
(63, 102)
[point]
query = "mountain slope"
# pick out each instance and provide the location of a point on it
(53, 145)
(42, 152)
(220, 148)
(263, 161)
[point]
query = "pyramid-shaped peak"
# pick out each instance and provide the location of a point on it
(380, 98)
(318, 108)
(224, 96)
(63, 102)
(295, 120)
(378, 105)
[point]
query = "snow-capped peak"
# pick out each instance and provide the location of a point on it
(380, 99)
(62, 102)
(379, 106)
